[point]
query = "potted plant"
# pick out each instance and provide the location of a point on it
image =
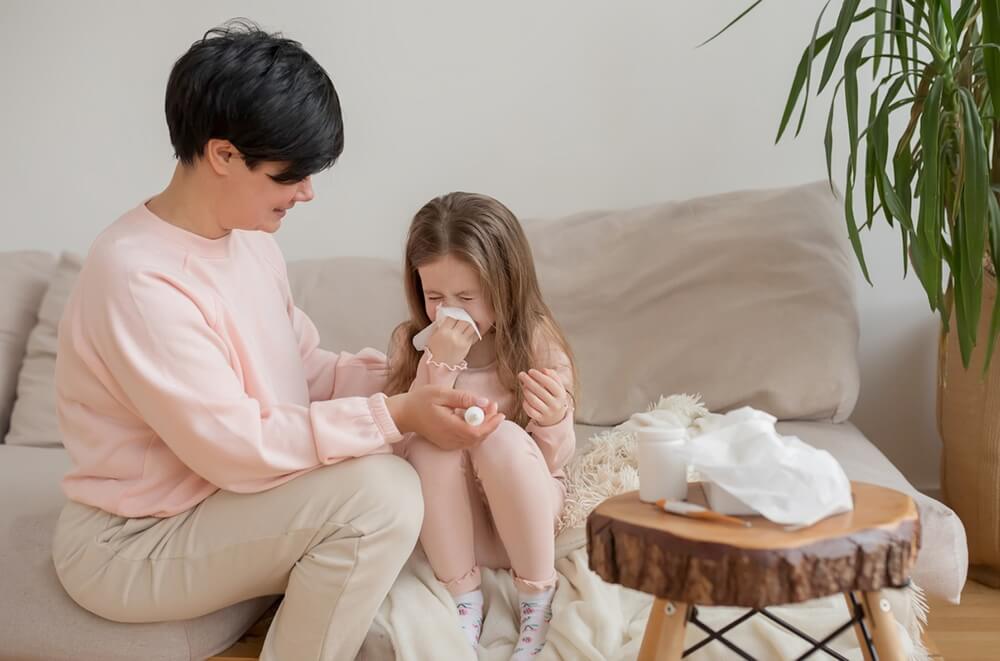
(937, 64)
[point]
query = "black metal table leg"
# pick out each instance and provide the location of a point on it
(857, 617)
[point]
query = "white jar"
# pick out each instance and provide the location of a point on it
(663, 464)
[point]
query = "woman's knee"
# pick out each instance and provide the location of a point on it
(396, 487)
(382, 495)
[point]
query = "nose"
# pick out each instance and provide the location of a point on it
(304, 190)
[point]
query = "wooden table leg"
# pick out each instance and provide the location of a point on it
(881, 626)
(664, 636)
(884, 629)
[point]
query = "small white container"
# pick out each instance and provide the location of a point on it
(663, 464)
(475, 416)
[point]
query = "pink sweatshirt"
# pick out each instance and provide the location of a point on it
(184, 367)
(557, 442)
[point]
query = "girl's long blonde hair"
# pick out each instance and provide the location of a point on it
(486, 235)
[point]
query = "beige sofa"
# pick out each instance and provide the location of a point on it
(745, 298)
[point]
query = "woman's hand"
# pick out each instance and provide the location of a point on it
(545, 398)
(451, 340)
(435, 412)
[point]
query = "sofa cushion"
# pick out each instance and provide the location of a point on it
(41, 622)
(33, 420)
(24, 277)
(355, 302)
(747, 298)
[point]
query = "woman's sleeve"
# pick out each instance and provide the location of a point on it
(332, 375)
(159, 347)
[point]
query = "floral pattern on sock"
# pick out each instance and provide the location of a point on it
(535, 618)
(470, 615)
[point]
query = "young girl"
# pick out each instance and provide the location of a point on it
(494, 505)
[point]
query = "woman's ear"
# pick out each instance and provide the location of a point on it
(221, 156)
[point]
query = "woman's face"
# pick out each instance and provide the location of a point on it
(250, 198)
(452, 282)
(260, 202)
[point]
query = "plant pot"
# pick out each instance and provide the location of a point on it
(969, 424)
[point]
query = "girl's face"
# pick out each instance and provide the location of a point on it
(454, 283)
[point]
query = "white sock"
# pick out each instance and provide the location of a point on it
(470, 614)
(536, 613)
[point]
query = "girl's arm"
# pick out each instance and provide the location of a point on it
(429, 370)
(556, 440)
(439, 380)
(437, 373)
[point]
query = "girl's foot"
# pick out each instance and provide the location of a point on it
(536, 613)
(470, 614)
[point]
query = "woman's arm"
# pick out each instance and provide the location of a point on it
(332, 375)
(329, 374)
(165, 361)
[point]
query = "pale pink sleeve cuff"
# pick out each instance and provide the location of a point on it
(380, 414)
(437, 373)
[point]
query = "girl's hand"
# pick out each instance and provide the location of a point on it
(451, 341)
(545, 398)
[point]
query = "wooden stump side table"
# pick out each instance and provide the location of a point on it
(686, 563)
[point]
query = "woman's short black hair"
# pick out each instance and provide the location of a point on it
(260, 91)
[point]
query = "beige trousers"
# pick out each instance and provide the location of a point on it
(331, 540)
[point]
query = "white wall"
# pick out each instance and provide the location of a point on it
(551, 106)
